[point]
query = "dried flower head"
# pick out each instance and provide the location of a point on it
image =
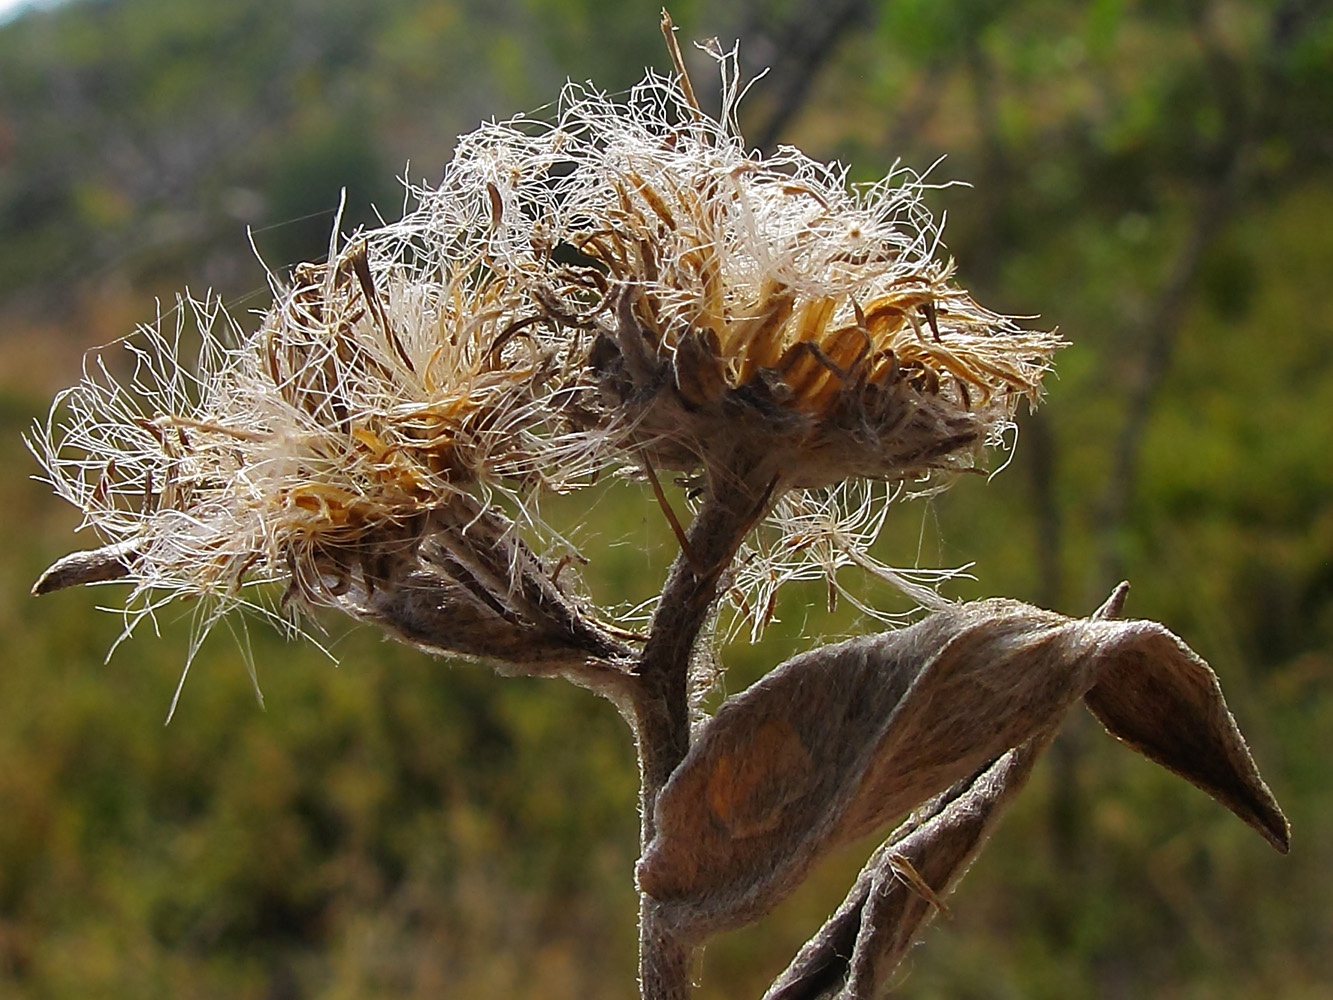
(766, 311)
(388, 387)
(758, 320)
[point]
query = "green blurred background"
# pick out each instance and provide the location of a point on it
(1153, 178)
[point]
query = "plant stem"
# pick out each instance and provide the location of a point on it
(661, 698)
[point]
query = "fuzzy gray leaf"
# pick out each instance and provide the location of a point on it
(1160, 698)
(899, 889)
(840, 741)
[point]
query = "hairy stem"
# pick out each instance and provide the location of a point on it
(661, 698)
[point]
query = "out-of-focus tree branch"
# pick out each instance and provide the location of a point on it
(1220, 197)
(796, 51)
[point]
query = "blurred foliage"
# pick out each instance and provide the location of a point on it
(1154, 178)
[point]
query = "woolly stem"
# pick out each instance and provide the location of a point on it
(661, 699)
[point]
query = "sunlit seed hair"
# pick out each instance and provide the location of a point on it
(811, 535)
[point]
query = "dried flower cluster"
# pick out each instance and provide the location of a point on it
(625, 288)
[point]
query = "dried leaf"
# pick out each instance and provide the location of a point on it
(840, 741)
(1161, 699)
(898, 890)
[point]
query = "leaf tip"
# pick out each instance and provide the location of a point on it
(1113, 606)
(110, 562)
(1279, 835)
